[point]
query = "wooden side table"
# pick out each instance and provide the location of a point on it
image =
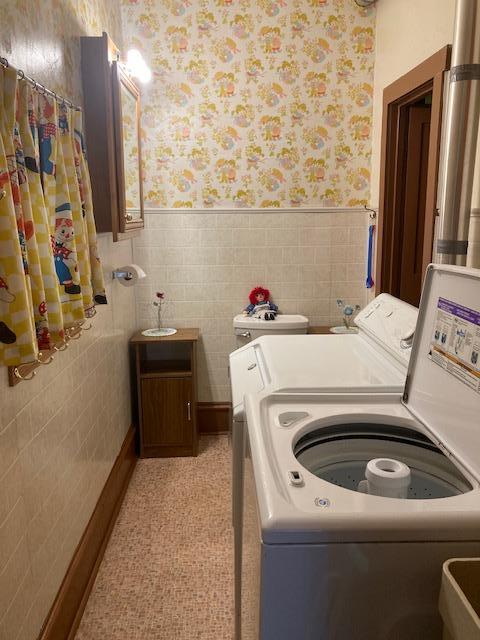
(165, 376)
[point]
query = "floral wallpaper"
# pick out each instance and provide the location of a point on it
(254, 103)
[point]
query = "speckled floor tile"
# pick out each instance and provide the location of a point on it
(167, 571)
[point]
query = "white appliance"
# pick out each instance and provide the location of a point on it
(375, 359)
(322, 558)
(247, 328)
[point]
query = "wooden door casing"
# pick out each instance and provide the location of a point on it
(426, 78)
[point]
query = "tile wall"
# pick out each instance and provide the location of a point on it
(59, 436)
(207, 263)
(60, 432)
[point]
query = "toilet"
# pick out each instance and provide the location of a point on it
(247, 328)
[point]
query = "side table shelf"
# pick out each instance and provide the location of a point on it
(165, 381)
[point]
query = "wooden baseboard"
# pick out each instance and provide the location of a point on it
(64, 617)
(214, 417)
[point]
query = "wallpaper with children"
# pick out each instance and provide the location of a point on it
(255, 103)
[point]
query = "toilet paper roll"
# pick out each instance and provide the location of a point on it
(134, 273)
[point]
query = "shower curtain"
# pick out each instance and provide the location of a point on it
(50, 272)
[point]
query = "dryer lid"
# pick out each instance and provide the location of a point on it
(388, 321)
(442, 388)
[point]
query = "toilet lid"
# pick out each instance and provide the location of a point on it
(283, 322)
(442, 388)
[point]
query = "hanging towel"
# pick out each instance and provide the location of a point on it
(98, 284)
(18, 343)
(27, 116)
(371, 232)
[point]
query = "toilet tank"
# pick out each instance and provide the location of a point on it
(247, 328)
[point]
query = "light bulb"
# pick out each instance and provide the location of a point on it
(137, 66)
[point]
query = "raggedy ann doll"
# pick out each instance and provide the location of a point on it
(260, 306)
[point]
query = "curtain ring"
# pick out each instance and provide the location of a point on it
(63, 346)
(48, 360)
(3, 193)
(17, 374)
(4, 62)
(88, 327)
(21, 74)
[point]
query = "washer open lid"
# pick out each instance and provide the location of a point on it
(442, 388)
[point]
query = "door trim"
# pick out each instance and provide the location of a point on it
(427, 77)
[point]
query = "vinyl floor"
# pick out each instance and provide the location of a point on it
(167, 573)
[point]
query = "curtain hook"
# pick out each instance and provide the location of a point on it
(3, 193)
(63, 346)
(48, 359)
(4, 62)
(88, 327)
(17, 373)
(76, 335)
(21, 74)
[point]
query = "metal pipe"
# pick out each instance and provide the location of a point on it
(460, 135)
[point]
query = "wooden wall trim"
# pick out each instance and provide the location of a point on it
(64, 617)
(214, 417)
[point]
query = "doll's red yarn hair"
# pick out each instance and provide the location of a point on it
(256, 291)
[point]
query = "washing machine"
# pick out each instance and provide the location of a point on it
(373, 360)
(351, 504)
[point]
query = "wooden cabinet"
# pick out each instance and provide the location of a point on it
(112, 123)
(165, 381)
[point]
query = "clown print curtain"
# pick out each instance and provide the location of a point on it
(50, 272)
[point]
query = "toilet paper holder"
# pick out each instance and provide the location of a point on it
(122, 275)
(128, 274)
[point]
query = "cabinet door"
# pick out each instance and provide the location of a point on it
(167, 412)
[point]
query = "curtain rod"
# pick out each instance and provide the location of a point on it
(40, 87)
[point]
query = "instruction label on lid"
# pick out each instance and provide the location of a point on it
(455, 344)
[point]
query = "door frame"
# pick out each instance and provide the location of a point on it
(427, 77)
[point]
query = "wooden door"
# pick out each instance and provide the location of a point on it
(408, 186)
(167, 416)
(416, 174)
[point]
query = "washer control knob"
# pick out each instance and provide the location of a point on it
(406, 340)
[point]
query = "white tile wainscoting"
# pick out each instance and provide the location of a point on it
(59, 436)
(207, 261)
